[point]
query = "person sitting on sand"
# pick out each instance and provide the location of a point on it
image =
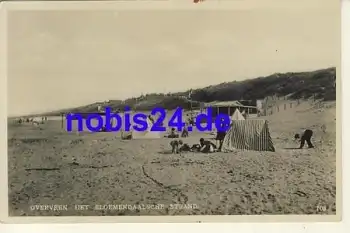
(306, 136)
(207, 146)
(173, 134)
(184, 147)
(196, 148)
(126, 135)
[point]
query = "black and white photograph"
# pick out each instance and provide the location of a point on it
(252, 83)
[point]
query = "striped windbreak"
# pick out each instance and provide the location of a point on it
(248, 135)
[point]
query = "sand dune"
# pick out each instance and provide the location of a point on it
(113, 171)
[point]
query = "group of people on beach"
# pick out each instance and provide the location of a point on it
(174, 134)
(32, 120)
(204, 146)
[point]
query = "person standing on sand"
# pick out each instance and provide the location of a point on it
(306, 136)
(220, 135)
(184, 133)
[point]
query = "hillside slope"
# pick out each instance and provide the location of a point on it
(319, 83)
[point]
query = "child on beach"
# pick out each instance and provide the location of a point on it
(177, 146)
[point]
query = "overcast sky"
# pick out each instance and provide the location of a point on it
(61, 59)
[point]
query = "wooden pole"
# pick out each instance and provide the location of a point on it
(62, 120)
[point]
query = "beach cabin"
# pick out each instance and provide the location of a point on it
(228, 107)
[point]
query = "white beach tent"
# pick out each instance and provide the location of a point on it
(237, 115)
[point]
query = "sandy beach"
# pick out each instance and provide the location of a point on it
(144, 172)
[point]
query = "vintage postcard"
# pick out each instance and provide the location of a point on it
(170, 111)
